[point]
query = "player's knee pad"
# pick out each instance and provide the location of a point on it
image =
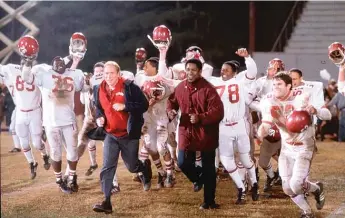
(228, 163)
(56, 154)
(91, 145)
(286, 187)
(72, 154)
(296, 185)
(37, 142)
(246, 160)
(150, 148)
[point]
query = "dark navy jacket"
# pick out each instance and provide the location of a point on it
(135, 103)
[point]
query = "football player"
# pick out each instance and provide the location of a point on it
(155, 130)
(234, 95)
(297, 139)
(58, 85)
(263, 86)
(28, 113)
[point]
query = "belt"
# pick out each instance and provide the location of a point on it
(28, 110)
(231, 124)
(295, 143)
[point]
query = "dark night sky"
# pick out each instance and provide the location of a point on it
(222, 27)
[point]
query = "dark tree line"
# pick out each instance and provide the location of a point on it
(115, 29)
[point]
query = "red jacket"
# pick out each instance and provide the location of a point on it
(201, 98)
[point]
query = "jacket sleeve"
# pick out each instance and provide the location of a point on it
(215, 108)
(137, 102)
(172, 103)
(99, 109)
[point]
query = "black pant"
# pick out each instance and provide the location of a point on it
(186, 161)
(111, 151)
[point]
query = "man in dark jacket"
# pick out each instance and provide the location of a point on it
(201, 112)
(120, 105)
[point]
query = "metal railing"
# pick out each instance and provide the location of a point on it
(17, 14)
(288, 26)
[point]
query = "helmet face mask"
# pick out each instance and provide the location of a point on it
(78, 44)
(336, 53)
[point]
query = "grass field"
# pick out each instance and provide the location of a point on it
(23, 197)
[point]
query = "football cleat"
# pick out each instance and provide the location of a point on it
(91, 169)
(319, 196)
(33, 169)
(169, 181)
(255, 192)
(268, 184)
(63, 186)
(46, 164)
(73, 184)
(241, 196)
(160, 183)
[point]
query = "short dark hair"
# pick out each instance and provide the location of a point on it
(285, 77)
(235, 65)
(298, 71)
(194, 61)
(153, 61)
(98, 64)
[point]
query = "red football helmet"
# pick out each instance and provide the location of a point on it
(78, 44)
(140, 55)
(280, 64)
(336, 53)
(153, 89)
(28, 47)
(161, 34)
(298, 121)
(273, 134)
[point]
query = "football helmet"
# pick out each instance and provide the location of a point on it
(154, 89)
(298, 121)
(276, 61)
(273, 134)
(161, 36)
(78, 44)
(28, 47)
(336, 53)
(58, 65)
(193, 52)
(140, 55)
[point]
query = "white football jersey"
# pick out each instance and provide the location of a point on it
(178, 71)
(341, 87)
(263, 86)
(96, 79)
(233, 96)
(57, 93)
(316, 91)
(158, 108)
(27, 96)
(276, 111)
(248, 76)
(127, 75)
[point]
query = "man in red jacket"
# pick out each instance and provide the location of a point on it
(201, 112)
